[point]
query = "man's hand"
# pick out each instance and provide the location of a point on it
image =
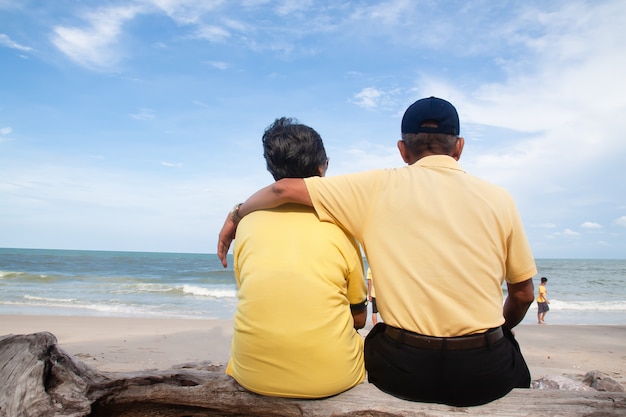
(286, 190)
(360, 318)
(226, 236)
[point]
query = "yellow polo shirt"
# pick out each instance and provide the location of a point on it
(294, 333)
(441, 240)
(541, 294)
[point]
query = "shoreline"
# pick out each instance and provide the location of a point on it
(120, 344)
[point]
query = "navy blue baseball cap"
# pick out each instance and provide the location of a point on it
(431, 115)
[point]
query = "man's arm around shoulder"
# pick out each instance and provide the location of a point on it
(286, 190)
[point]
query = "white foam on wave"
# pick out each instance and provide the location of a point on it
(588, 305)
(210, 292)
(11, 274)
(49, 300)
(73, 304)
(608, 306)
(186, 289)
(51, 306)
(144, 288)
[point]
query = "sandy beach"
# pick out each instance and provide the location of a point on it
(133, 344)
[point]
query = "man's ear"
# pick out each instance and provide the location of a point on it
(458, 148)
(404, 153)
(321, 170)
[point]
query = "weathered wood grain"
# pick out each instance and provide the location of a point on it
(37, 378)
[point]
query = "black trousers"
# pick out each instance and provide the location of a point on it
(454, 377)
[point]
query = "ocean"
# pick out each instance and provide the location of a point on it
(196, 286)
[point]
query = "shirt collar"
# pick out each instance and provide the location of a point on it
(439, 161)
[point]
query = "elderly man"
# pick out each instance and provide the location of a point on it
(441, 243)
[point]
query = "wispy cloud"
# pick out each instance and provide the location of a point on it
(5, 40)
(186, 12)
(94, 44)
(287, 7)
(570, 233)
(591, 225)
(171, 164)
(379, 98)
(565, 233)
(547, 226)
(5, 131)
(143, 114)
(368, 98)
(211, 33)
(219, 65)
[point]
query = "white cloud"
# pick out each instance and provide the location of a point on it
(367, 98)
(186, 11)
(565, 233)
(591, 225)
(219, 65)
(291, 6)
(95, 44)
(540, 97)
(171, 164)
(374, 98)
(389, 13)
(570, 233)
(4, 132)
(9, 43)
(560, 91)
(621, 221)
(212, 33)
(143, 114)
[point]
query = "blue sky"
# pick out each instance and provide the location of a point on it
(136, 124)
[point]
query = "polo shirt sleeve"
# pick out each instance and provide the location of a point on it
(520, 263)
(356, 288)
(345, 200)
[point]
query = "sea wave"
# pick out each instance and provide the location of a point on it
(134, 288)
(599, 306)
(27, 277)
(50, 300)
(73, 304)
(210, 292)
(588, 305)
(46, 305)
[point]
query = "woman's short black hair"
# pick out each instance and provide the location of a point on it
(293, 150)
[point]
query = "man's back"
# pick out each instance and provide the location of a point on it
(294, 333)
(443, 240)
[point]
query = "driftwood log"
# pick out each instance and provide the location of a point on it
(38, 378)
